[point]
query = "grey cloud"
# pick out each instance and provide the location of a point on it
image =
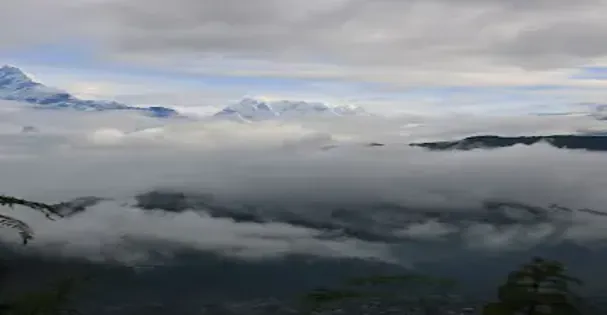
(35, 22)
(276, 192)
(357, 32)
(429, 42)
(568, 43)
(109, 231)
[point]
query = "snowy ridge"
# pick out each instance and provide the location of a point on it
(17, 86)
(250, 109)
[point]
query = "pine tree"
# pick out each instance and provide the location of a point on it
(45, 302)
(23, 228)
(540, 287)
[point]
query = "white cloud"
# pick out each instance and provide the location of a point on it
(414, 43)
(104, 232)
(407, 43)
(282, 166)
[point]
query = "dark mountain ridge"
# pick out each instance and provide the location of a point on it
(571, 142)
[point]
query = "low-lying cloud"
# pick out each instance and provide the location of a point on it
(298, 187)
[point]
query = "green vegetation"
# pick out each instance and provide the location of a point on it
(53, 301)
(539, 287)
(45, 302)
(423, 292)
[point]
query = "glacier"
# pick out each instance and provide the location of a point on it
(15, 85)
(250, 109)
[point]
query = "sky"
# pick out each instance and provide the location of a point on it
(439, 69)
(393, 57)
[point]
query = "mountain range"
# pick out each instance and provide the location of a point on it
(571, 142)
(15, 85)
(250, 109)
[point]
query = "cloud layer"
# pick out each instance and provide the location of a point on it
(437, 42)
(299, 187)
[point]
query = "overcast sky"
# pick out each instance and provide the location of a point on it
(392, 56)
(443, 65)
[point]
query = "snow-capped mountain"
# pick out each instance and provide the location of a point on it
(250, 109)
(15, 85)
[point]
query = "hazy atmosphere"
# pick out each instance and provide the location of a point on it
(225, 150)
(305, 169)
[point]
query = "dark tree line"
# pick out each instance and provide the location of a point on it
(23, 228)
(43, 302)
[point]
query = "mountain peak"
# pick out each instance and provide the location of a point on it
(13, 77)
(15, 85)
(10, 69)
(254, 110)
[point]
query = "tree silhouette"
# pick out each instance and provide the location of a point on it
(25, 232)
(47, 302)
(539, 287)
